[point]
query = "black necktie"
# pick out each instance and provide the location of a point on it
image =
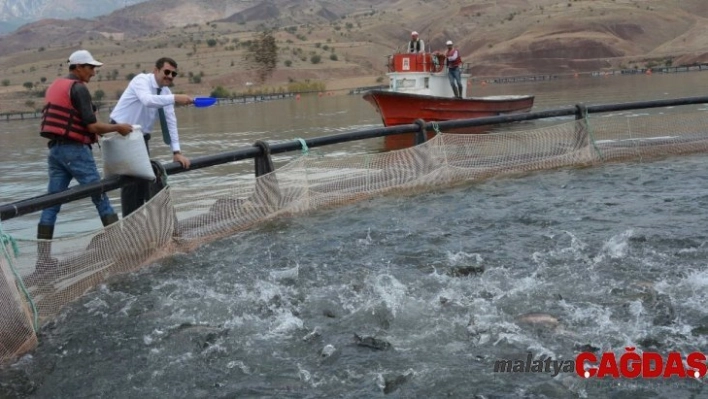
(163, 122)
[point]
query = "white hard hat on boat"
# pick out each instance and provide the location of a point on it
(449, 43)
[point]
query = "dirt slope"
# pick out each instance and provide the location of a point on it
(352, 40)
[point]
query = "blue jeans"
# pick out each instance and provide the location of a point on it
(67, 161)
(453, 74)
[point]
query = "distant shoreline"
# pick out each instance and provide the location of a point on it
(22, 115)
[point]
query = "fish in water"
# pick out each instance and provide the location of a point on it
(544, 323)
(663, 310)
(650, 343)
(392, 384)
(315, 333)
(586, 348)
(479, 334)
(371, 342)
(542, 320)
(463, 271)
(328, 350)
(203, 335)
(286, 274)
(659, 306)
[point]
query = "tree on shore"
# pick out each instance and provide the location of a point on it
(262, 55)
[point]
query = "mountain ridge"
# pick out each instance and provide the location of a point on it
(15, 13)
(351, 39)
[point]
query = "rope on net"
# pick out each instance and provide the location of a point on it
(436, 127)
(591, 136)
(305, 150)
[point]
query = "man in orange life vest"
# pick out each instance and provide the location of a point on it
(69, 122)
(453, 69)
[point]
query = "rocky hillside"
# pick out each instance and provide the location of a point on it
(506, 37)
(351, 39)
(592, 35)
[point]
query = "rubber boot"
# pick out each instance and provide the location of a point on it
(457, 92)
(46, 265)
(109, 219)
(44, 248)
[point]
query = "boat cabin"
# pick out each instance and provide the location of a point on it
(421, 73)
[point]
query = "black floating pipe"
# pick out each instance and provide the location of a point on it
(647, 104)
(174, 168)
(34, 204)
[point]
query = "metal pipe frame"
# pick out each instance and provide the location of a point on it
(259, 152)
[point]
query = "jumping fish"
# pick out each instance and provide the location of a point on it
(203, 335)
(371, 342)
(392, 384)
(542, 320)
(328, 350)
(312, 335)
(586, 348)
(545, 323)
(464, 271)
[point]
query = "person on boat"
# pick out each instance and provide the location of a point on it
(69, 122)
(454, 62)
(147, 99)
(416, 45)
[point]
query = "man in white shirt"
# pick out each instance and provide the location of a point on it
(139, 105)
(416, 45)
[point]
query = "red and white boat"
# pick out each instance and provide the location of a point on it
(419, 89)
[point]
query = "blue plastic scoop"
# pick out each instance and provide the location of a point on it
(201, 102)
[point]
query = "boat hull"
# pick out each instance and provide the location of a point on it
(398, 108)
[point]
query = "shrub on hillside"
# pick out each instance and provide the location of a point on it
(220, 92)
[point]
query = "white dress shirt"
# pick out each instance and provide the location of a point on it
(139, 103)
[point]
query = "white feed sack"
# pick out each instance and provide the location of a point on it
(126, 155)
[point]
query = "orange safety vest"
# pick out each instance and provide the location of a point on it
(60, 118)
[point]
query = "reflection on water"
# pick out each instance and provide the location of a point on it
(231, 127)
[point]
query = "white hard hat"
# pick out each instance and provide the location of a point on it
(82, 57)
(414, 33)
(449, 43)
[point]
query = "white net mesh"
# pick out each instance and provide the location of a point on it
(182, 218)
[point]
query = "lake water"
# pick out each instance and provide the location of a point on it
(614, 255)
